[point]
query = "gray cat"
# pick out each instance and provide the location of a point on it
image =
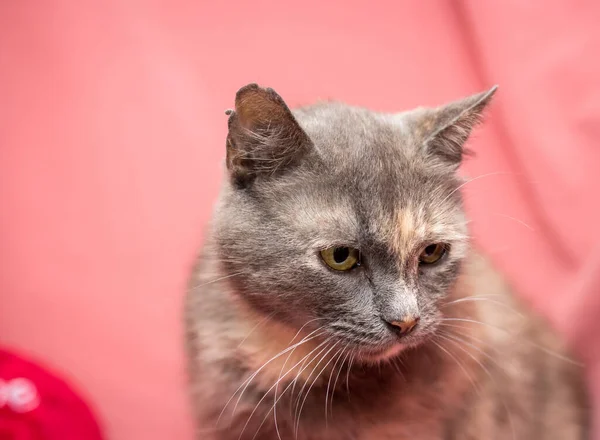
(337, 295)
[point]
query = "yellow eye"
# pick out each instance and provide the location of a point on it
(432, 253)
(341, 258)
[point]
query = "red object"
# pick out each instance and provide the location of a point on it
(37, 405)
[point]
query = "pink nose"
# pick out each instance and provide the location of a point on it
(406, 325)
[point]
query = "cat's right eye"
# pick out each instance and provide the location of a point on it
(341, 258)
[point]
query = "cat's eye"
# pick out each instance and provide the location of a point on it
(341, 258)
(432, 253)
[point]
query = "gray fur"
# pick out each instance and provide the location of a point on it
(478, 365)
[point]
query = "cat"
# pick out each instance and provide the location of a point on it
(337, 295)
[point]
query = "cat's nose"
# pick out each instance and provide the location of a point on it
(406, 325)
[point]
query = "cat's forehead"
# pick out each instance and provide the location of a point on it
(326, 215)
(351, 136)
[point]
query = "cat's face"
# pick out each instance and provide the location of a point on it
(342, 221)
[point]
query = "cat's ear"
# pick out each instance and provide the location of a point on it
(450, 126)
(264, 138)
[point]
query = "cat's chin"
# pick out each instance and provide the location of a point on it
(386, 353)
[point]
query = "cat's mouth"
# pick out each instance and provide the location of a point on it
(383, 353)
(389, 348)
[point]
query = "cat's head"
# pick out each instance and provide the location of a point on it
(343, 221)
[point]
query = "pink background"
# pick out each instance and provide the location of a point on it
(112, 135)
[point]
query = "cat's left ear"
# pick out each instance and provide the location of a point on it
(450, 126)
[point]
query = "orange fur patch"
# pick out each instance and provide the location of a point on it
(408, 231)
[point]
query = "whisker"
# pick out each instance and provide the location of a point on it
(474, 321)
(483, 352)
(497, 173)
(526, 341)
(293, 347)
(398, 369)
(555, 355)
(262, 321)
(275, 399)
(313, 383)
(482, 298)
(300, 393)
(336, 380)
(294, 382)
(489, 295)
(302, 368)
(249, 379)
(341, 354)
(468, 335)
(462, 367)
(192, 289)
(303, 360)
(348, 374)
(508, 412)
(274, 385)
(521, 222)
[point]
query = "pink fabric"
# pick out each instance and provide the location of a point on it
(112, 134)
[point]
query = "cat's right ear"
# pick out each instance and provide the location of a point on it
(264, 138)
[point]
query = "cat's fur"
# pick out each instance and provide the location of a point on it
(479, 365)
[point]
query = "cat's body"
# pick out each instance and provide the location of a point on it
(270, 326)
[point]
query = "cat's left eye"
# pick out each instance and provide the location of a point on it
(341, 258)
(432, 253)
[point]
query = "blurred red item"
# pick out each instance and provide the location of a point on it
(37, 405)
